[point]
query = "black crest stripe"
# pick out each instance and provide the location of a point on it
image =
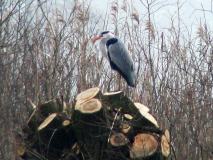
(111, 41)
(102, 33)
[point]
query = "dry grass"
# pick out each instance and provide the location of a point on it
(46, 54)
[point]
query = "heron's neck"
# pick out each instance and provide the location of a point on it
(103, 46)
(104, 40)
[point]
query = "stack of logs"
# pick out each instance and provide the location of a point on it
(98, 126)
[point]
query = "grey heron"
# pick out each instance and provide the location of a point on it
(117, 54)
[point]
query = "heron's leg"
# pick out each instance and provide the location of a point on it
(110, 82)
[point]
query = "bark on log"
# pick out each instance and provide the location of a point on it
(52, 106)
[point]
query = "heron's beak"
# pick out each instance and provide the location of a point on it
(95, 38)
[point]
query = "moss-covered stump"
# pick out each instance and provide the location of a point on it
(98, 126)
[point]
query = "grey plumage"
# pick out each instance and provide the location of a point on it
(120, 60)
(118, 56)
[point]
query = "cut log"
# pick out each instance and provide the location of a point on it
(88, 94)
(144, 112)
(90, 127)
(111, 98)
(66, 123)
(125, 128)
(165, 141)
(41, 112)
(145, 120)
(167, 135)
(144, 145)
(142, 108)
(116, 100)
(128, 116)
(52, 106)
(112, 93)
(118, 139)
(165, 148)
(150, 118)
(98, 126)
(89, 106)
(47, 121)
(54, 135)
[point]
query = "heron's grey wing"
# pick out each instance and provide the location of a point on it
(121, 61)
(119, 55)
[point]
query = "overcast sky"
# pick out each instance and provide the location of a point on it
(191, 13)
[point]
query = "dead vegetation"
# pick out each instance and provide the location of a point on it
(45, 52)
